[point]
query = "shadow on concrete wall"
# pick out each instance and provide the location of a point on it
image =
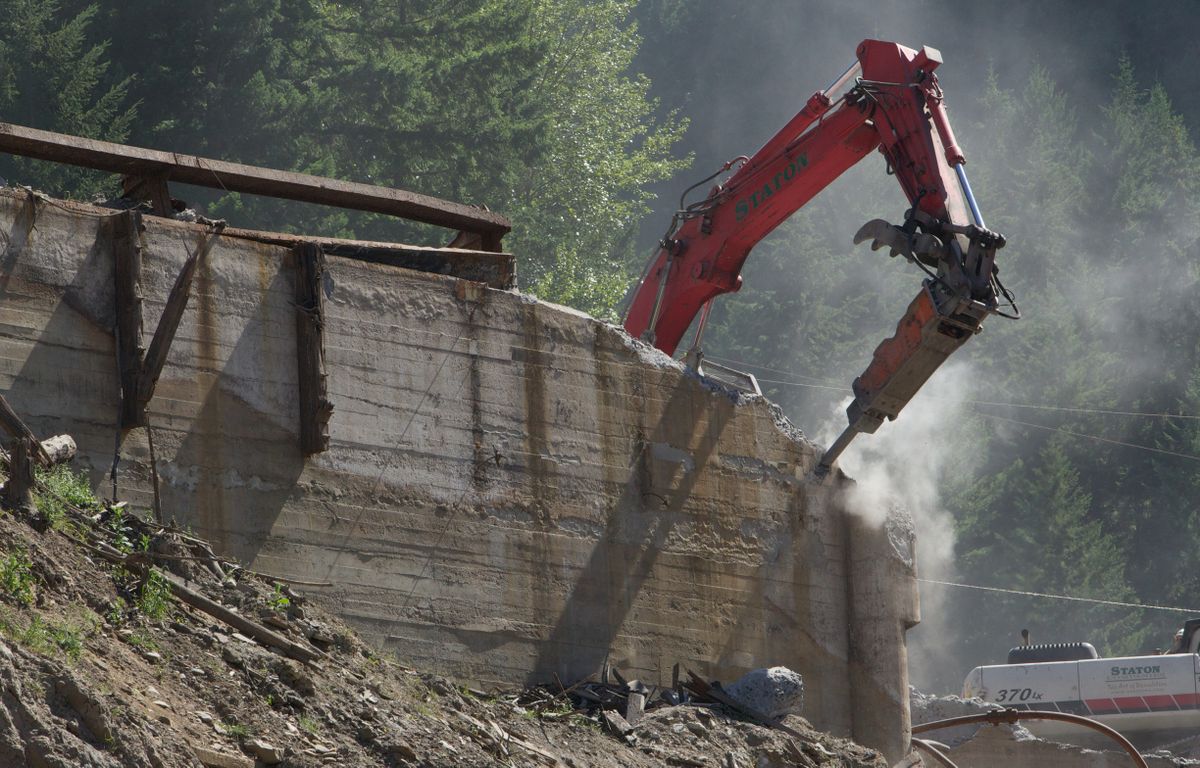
(47, 391)
(636, 531)
(238, 465)
(234, 467)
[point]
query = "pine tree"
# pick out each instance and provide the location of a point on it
(51, 77)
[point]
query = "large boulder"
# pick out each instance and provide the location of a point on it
(774, 692)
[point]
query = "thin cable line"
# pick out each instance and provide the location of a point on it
(807, 386)
(1072, 598)
(998, 403)
(766, 368)
(1097, 411)
(1122, 443)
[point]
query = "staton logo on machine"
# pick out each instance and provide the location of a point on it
(743, 207)
(1139, 672)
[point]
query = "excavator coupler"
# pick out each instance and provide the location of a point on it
(951, 307)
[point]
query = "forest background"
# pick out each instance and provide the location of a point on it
(1059, 455)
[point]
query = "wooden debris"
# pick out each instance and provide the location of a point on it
(315, 406)
(168, 324)
(18, 489)
(799, 756)
(253, 629)
(501, 739)
(186, 594)
(11, 423)
(627, 700)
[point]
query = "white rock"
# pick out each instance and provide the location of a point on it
(773, 692)
(268, 753)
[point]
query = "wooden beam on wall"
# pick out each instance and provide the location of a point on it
(11, 423)
(168, 324)
(497, 269)
(154, 191)
(127, 260)
(235, 177)
(18, 489)
(315, 407)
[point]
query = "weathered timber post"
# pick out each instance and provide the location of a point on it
(152, 189)
(315, 407)
(11, 423)
(127, 259)
(18, 490)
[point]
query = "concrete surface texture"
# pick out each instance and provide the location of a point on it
(514, 492)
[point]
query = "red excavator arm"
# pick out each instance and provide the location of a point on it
(895, 105)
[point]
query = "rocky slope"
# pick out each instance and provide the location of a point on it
(102, 664)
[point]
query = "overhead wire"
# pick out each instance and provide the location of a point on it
(826, 384)
(1085, 435)
(1053, 596)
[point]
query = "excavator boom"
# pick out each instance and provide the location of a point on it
(895, 106)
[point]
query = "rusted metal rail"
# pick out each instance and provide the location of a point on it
(152, 169)
(1009, 716)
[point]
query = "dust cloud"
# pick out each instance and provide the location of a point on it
(904, 465)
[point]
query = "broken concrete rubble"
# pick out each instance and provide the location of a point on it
(928, 709)
(775, 692)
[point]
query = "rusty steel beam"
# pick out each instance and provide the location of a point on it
(235, 177)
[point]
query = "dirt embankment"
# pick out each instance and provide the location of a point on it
(102, 665)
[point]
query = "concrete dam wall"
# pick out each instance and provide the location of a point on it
(513, 491)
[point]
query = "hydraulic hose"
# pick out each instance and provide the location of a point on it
(1009, 716)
